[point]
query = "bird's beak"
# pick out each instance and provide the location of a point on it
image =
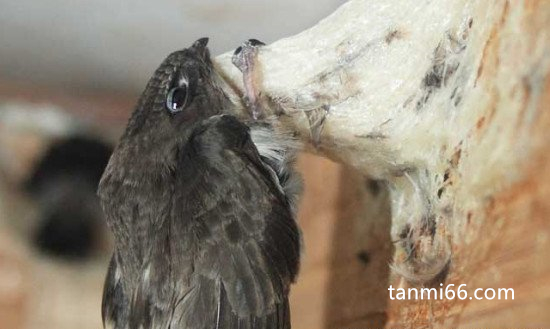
(200, 47)
(201, 43)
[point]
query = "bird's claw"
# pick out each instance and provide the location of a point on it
(244, 58)
(245, 54)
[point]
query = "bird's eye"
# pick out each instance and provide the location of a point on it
(176, 99)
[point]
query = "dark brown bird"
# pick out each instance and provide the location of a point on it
(200, 203)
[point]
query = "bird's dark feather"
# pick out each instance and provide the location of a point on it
(204, 230)
(224, 246)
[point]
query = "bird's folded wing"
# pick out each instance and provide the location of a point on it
(247, 242)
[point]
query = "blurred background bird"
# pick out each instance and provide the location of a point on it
(64, 182)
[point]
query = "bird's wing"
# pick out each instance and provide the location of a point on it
(115, 302)
(246, 242)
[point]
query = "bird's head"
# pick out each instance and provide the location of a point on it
(182, 92)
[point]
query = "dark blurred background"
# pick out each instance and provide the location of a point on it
(70, 73)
